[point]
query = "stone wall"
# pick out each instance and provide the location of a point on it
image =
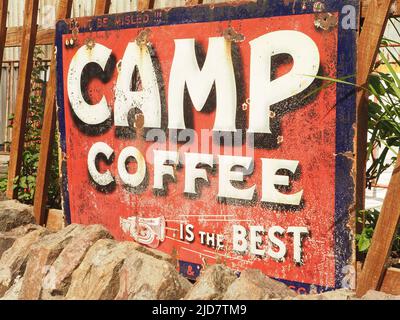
(85, 262)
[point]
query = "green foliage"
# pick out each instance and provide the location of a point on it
(384, 130)
(3, 184)
(25, 183)
(384, 120)
(368, 219)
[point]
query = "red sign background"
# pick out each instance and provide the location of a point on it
(308, 136)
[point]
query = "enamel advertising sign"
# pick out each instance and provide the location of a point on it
(210, 133)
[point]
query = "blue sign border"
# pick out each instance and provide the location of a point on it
(345, 107)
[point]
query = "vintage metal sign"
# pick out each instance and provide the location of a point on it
(208, 133)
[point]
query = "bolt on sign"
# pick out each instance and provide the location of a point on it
(209, 133)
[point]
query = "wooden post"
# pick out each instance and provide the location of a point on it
(394, 11)
(24, 86)
(374, 26)
(3, 28)
(102, 7)
(368, 46)
(375, 264)
(3, 36)
(391, 281)
(10, 100)
(48, 129)
(145, 4)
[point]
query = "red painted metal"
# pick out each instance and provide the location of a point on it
(309, 135)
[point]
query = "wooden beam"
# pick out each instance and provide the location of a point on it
(14, 36)
(368, 46)
(391, 281)
(102, 7)
(22, 99)
(3, 33)
(48, 130)
(394, 9)
(145, 4)
(386, 227)
(3, 27)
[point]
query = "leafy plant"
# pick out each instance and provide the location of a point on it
(368, 219)
(25, 183)
(384, 120)
(384, 130)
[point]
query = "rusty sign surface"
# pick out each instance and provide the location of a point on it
(208, 132)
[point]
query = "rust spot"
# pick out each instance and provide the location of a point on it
(218, 259)
(231, 35)
(74, 24)
(325, 21)
(143, 37)
(75, 32)
(348, 154)
(318, 6)
(90, 43)
(139, 121)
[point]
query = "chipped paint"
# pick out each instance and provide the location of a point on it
(325, 21)
(90, 44)
(231, 35)
(143, 37)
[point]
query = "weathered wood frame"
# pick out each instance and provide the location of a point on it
(374, 275)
